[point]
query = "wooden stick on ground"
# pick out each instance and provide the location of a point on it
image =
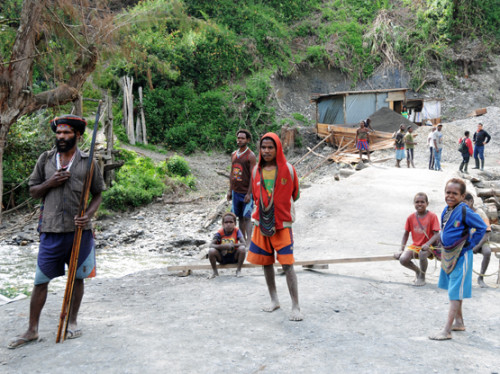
(347, 260)
(325, 160)
(311, 150)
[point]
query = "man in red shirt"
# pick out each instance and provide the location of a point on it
(424, 228)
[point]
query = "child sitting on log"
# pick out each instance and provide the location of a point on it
(424, 228)
(228, 245)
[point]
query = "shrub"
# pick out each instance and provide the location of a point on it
(137, 183)
(177, 166)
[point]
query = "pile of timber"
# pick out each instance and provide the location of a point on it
(343, 138)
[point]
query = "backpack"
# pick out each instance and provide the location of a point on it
(462, 147)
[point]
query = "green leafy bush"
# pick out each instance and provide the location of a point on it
(138, 181)
(177, 166)
(27, 139)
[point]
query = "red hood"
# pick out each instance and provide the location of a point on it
(280, 156)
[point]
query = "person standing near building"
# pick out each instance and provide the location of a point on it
(430, 143)
(480, 138)
(438, 141)
(240, 189)
(410, 146)
(399, 144)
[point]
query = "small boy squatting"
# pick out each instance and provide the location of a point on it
(228, 246)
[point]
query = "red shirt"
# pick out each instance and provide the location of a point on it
(430, 224)
(468, 143)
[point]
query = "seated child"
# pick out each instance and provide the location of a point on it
(228, 245)
(483, 246)
(424, 228)
(457, 221)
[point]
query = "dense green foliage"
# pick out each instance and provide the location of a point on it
(206, 66)
(27, 138)
(140, 180)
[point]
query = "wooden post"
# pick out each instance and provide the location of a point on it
(288, 138)
(143, 119)
(78, 106)
(108, 132)
(138, 130)
(129, 97)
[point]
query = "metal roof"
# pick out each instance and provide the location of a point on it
(316, 97)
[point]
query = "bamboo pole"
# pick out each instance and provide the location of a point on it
(75, 250)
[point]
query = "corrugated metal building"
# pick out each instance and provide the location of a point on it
(351, 107)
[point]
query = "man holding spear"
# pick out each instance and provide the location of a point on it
(58, 180)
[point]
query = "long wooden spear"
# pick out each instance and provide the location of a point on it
(75, 251)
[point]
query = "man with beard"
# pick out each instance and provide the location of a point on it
(58, 180)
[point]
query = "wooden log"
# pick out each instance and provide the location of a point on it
(217, 212)
(138, 130)
(143, 119)
(130, 109)
(487, 192)
(492, 213)
(493, 200)
(115, 165)
(288, 138)
(348, 260)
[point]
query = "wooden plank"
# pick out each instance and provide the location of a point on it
(297, 263)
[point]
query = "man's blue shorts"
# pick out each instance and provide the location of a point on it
(240, 209)
(459, 281)
(55, 251)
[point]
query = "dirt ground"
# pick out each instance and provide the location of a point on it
(363, 317)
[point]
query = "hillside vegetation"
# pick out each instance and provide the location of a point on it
(207, 66)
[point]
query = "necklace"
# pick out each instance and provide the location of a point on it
(60, 166)
(238, 153)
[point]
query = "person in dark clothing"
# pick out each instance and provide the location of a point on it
(480, 138)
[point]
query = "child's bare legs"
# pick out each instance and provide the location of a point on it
(240, 256)
(422, 256)
(213, 256)
(291, 281)
(486, 252)
(405, 260)
(454, 315)
(271, 286)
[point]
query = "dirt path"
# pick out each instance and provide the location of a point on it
(358, 317)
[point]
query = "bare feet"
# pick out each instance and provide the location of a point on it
(419, 280)
(481, 283)
(296, 315)
(213, 276)
(271, 308)
(442, 335)
(458, 327)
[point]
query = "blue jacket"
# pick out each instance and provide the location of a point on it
(453, 230)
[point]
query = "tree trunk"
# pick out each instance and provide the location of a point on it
(143, 119)
(16, 77)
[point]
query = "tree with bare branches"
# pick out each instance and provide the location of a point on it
(60, 40)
